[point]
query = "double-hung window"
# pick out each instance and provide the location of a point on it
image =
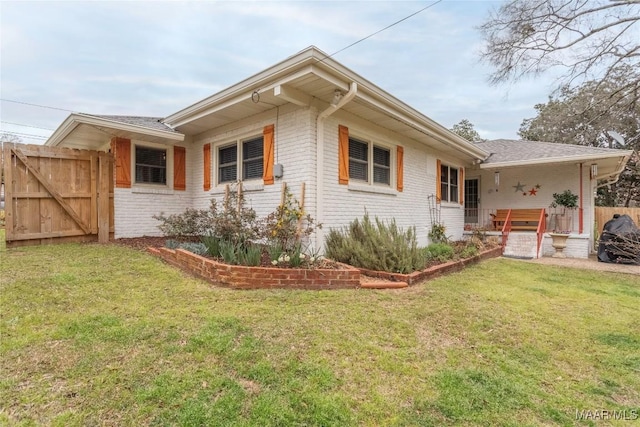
(369, 163)
(449, 184)
(241, 159)
(151, 165)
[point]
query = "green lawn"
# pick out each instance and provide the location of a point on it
(105, 335)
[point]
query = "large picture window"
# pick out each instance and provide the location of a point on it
(369, 163)
(449, 183)
(250, 166)
(151, 165)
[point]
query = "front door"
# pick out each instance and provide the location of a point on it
(471, 197)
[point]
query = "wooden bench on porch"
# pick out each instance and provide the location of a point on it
(521, 219)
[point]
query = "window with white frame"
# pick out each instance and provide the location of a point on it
(448, 183)
(241, 159)
(369, 163)
(151, 165)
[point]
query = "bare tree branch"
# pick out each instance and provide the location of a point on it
(590, 38)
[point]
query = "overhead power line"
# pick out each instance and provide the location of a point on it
(385, 28)
(37, 105)
(26, 135)
(27, 126)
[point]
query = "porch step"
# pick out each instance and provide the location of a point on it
(521, 246)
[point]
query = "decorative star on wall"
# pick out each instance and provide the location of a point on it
(538, 186)
(533, 192)
(519, 187)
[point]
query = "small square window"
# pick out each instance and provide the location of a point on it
(151, 165)
(368, 160)
(250, 166)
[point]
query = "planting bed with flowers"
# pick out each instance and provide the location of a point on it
(228, 244)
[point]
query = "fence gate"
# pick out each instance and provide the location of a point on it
(57, 194)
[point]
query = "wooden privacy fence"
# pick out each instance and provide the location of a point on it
(57, 194)
(604, 214)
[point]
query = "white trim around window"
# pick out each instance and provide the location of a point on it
(371, 163)
(241, 159)
(449, 185)
(147, 175)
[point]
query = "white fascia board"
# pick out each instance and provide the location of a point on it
(65, 128)
(204, 107)
(76, 119)
(99, 121)
(623, 154)
(426, 126)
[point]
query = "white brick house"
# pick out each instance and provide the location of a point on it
(306, 120)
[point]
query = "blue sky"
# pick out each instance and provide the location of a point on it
(155, 58)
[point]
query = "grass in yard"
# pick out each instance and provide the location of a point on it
(107, 335)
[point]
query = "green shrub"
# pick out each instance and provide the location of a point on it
(228, 252)
(172, 244)
(250, 255)
(232, 231)
(212, 243)
(288, 225)
(196, 248)
(441, 252)
(192, 222)
(375, 246)
(469, 251)
(438, 234)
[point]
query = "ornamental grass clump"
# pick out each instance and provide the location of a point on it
(376, 245)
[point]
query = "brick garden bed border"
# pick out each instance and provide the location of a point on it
(243, 277)
(434, 271)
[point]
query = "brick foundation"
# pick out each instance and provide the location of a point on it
(243, 277)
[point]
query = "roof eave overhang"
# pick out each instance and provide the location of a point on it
(238, 91)
(313, 61)
(420, 122)
(622, 154)
(76, 119)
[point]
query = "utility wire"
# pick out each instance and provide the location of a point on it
(26, 135)
(37, 105)
(27, 126)
(385, 28)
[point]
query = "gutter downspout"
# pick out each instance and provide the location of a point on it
(353, 89)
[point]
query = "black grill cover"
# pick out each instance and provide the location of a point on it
(620, 241)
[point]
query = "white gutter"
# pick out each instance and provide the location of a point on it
(353, 89)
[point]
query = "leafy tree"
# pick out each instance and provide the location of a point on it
(591, 39)
(466, 130)
(587, 115)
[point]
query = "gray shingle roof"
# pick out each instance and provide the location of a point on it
(508, 150)
(146, 122)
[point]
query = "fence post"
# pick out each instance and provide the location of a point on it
(103, 197)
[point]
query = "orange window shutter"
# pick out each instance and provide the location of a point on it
(179, 168)
(461, 186)
(206, 151)
(400, 161)
(343, 154)
(438, 182)
(122, 148)
(268, 147)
